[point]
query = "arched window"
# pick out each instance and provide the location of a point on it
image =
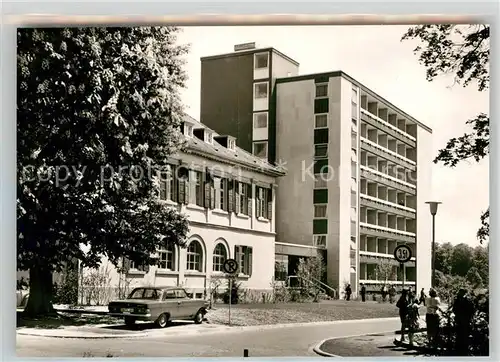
(220, 256)
(166, 257)
(195, 256)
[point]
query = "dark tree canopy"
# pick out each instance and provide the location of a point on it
(464, 52)
(98, 112)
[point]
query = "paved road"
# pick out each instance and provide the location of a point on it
(290, 341)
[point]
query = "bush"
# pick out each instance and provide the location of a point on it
(234, 292)
(67, 292)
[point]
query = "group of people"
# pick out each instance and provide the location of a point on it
(463, 308)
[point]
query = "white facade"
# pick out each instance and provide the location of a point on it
(224, 222)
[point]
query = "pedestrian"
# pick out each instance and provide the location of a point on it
(392, 294)
(383, 291)
(348, 292)
(432, 317)
(363, 293)
(402, 305)
(463, 308)
(412, 318)
(422, 297)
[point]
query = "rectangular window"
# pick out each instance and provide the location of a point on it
(319, 240)
(198, 189)
(320, 226)
(261, 60)
(321, 121)
(320, 196)
(321, 136)
(354, 169)
(166, 258)
(167, 184)
(261, 90)
(321, 90)
(354, 140)
(321, 105)
(260, 120)
(261, 202)
(320, 151)
(354, 111)
(320, 211)
(320, 181)
(321, 166)
(223, 194)
(354, 95)
(189, 131)
(260, 149)
(243, 254)
(242, 198)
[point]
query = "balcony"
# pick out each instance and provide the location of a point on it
(384, 232)
(369, 257)
(376, 149)
(380, 177)
(387, 128)
(390, 207)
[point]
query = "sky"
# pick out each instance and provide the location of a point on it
(374, 56)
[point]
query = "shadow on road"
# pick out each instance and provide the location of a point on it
(146, 326)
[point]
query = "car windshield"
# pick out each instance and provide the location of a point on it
(145, 293)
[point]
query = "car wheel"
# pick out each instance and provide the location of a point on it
(163, 320)
(129, 321)
(198, 318)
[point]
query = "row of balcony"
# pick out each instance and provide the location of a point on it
(372, 173)
(375, 230)
(388, 127)
(381, 247)
(387, 219)
(371, 202)
(385, 193)
(373, 148)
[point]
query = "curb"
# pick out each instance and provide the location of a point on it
(84, 336)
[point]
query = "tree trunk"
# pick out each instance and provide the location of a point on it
(40, 294)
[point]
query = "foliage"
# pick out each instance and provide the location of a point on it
(281, 293)
(96, 286)
(447, 286)
(474, 278)
(67, 292)
(235, 291)
(310, 272)
(385, 270)
(98, 112)
(464, 51)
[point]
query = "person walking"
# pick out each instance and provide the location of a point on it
(412, 318)
(432, 317)
(422, 297)
(463, 308)
(392, 294)
(402, 305)
(348, 292)
(363, 293)
(383, 291)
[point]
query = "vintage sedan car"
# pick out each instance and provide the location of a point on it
(160, 305)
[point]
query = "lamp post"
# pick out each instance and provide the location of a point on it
(433, 208)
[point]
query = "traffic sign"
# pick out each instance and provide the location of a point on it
(402, 253)
(230, 266)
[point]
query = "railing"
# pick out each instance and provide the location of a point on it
(388, 151)
(387, 124)
(386, 176)
(389, 230)
(388, 203)
(316, 283)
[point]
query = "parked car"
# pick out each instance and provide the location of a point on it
(22, 297)
(160, 305)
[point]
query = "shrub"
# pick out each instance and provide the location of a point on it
(234, 292)
(67, 292)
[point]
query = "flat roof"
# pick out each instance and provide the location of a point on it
(340, 73)
(250, 51)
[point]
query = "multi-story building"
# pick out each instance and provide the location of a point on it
(228, 196)
(358, 167)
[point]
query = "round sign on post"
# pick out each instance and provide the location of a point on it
(230, 266)
(402, 253)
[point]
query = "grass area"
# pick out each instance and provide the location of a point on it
(62, 320)
(261, 314)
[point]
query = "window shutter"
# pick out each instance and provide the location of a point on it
(237, 197)
(248, 258)
(230, 195)
(250, 200)
(182, 191)
(270, 204)
(237, 257)
(174, 185)
(212, 194)
(187, 185)
(206, 179)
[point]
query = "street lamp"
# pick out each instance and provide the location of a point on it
(433, 208)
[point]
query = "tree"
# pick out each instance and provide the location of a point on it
(98, 114)
(464, 51)
(461, 260)
(443, 257)
(474, 278)
(385, 270)
(310, 271)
